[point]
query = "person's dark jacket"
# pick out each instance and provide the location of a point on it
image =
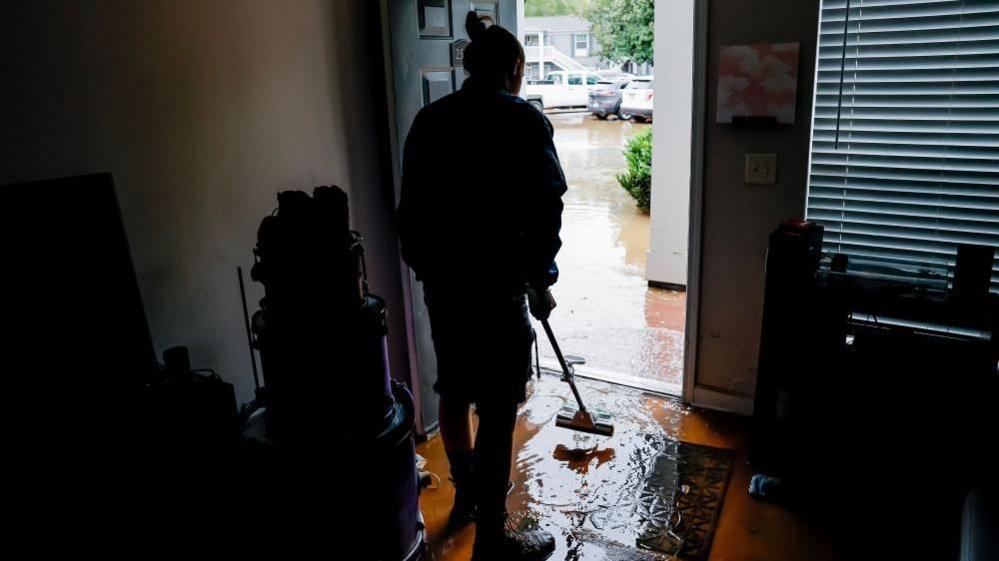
(481, 203)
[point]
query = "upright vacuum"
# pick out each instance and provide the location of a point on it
(332, 420)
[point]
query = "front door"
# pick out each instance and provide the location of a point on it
(426, 39)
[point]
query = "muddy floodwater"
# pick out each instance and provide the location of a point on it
(606, 311)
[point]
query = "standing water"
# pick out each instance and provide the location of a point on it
(606, 311)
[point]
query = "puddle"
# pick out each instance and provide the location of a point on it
(582, 488)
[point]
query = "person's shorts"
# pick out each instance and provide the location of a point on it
(483, 346)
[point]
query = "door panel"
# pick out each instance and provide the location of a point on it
(437, 84)
(434, 18)
(421, 34)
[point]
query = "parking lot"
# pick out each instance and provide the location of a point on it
(607, 313)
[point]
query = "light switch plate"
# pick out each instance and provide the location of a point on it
(761, 169)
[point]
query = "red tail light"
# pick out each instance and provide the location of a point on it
(648, 96)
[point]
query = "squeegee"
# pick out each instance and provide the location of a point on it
(579, 417)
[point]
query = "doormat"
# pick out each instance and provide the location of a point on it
(681, 500)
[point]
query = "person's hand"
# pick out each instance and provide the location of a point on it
(541, 303)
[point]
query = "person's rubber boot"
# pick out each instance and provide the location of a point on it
(505, 545)
(463, 509)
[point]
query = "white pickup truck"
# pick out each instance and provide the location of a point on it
(561, 89)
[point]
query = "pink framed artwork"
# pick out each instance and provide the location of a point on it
(758, 83)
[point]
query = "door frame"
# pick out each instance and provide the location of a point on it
(691, 392)
(696, 232)
(694, 393)
(396, 173)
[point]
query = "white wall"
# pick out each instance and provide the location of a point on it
(671, 128)
(738, 217)
(203, 110)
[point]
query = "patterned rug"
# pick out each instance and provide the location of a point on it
(640, 495)
(681, 500)
(671, 512)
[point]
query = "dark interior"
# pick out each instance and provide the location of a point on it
(212, 335)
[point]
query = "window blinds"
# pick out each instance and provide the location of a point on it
(905, 132)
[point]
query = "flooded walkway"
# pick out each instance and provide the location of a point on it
(607, 313)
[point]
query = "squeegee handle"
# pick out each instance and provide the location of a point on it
(567, 374)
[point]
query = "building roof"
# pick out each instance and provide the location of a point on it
(557, 24)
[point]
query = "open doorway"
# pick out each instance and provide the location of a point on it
(624, 140)
(631, 333)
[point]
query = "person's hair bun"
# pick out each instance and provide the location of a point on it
(493, 53)
(474, 26)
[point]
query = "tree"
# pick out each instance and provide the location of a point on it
(553, 7)
(623, 28)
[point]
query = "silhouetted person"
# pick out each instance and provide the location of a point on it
(478, 221)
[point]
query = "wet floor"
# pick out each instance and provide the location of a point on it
(607, 312)
(581, 488)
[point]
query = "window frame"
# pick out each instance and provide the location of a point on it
(576, 49)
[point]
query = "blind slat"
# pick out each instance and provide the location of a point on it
(923, 188)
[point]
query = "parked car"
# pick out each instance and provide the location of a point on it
(637, 98)
(605, 99)
(561, 89)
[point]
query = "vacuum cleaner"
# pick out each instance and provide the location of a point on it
(578, 418)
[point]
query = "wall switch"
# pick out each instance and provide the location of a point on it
(761, 169)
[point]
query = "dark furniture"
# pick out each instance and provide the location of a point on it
(874, 390)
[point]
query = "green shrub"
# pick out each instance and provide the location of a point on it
(638, 180)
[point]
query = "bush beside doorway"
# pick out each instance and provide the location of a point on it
(638, 179)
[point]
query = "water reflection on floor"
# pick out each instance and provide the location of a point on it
(607, 312)
(580, 487)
